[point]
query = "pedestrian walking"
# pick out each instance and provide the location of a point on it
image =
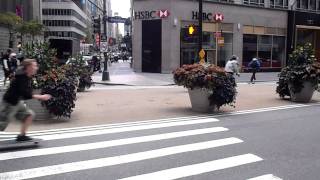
(232, 66)
(14, 62)
(254, 65)
(13, 105)
(6, 65)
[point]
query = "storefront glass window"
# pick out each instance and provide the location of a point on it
(269, 49)
(225, 51)
(304, 4)
(278, 51)
(249, 48)
(264, 50)
(312, 4)
(305, 36)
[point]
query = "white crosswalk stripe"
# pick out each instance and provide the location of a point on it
(182, 142)
(266, 177)
(191, 170)
(105, 144)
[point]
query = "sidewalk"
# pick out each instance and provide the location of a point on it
(122, 74)
(105, 106)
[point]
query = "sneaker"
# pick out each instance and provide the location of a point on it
(22, 138)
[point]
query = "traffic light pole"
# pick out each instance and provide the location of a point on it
(200, 14)
(105, 74)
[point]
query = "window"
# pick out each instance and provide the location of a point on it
(312, 4)
(264, 50)
(225, 51)
(249, 48)
(270, 50)
(278, 52)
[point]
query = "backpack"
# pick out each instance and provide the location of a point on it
(254, 64)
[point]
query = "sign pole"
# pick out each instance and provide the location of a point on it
(105, 74)
(200, 14)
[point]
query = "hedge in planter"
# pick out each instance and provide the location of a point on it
(77, 67)
(53, 79)
(303, 67)
(63, 98)
(220, 85)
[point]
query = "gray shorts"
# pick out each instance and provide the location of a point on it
(8, 112)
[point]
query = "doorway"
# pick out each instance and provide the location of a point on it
(151, 46)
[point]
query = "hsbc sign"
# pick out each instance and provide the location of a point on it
(217, 17)
(151, 14)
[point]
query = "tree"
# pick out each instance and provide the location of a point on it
(32, 28)
(10, 21)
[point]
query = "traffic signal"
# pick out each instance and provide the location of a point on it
(97, 25)
(192, 30)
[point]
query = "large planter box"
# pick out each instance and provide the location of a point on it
(200, 100)
(305, 95)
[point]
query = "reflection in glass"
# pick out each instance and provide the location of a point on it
(278, 51)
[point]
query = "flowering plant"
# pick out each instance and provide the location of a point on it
(220, 85)
(303, 66)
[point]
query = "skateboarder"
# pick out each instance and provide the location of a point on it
(12, 104)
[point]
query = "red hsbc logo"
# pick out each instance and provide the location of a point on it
(163, 13)
(218, 17)
(151, 14)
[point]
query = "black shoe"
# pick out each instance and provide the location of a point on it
(22, 138)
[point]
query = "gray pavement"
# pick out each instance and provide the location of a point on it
(122, 74)
(275, 143)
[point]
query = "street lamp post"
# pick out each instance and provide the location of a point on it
(200, 38)
(105, 74)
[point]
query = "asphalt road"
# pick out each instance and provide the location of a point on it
(272, 145)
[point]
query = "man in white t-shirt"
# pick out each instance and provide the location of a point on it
(232, 66)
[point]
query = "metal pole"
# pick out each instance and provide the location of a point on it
(200, 14)
(105, 74)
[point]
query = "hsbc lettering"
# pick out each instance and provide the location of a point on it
(151, 14)
(218, 17)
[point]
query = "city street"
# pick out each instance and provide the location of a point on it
(160, 90)
(269, 145)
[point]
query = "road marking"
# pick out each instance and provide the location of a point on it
(106, 144)
(104, 126)
(8, 135)
(266, 177)
(201, 168)
(117, 160)
(123, 129)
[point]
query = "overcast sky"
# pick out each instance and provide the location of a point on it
(123, 8)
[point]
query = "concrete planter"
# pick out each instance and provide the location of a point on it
(305, 95)
(199, 100)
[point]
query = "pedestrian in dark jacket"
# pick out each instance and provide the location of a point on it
(254, 66)
(12, 104)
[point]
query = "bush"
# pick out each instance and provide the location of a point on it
(63, 97)
(302, 67)
(220, 85)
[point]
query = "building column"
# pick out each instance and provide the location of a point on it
(267, 3)
(237, 44)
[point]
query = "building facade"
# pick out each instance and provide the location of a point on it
(248, 29)
(66, 23)
(27, 10)
(304, 25)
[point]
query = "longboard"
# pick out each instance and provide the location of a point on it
(15, 145)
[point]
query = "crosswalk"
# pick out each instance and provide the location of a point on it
(164, 149)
